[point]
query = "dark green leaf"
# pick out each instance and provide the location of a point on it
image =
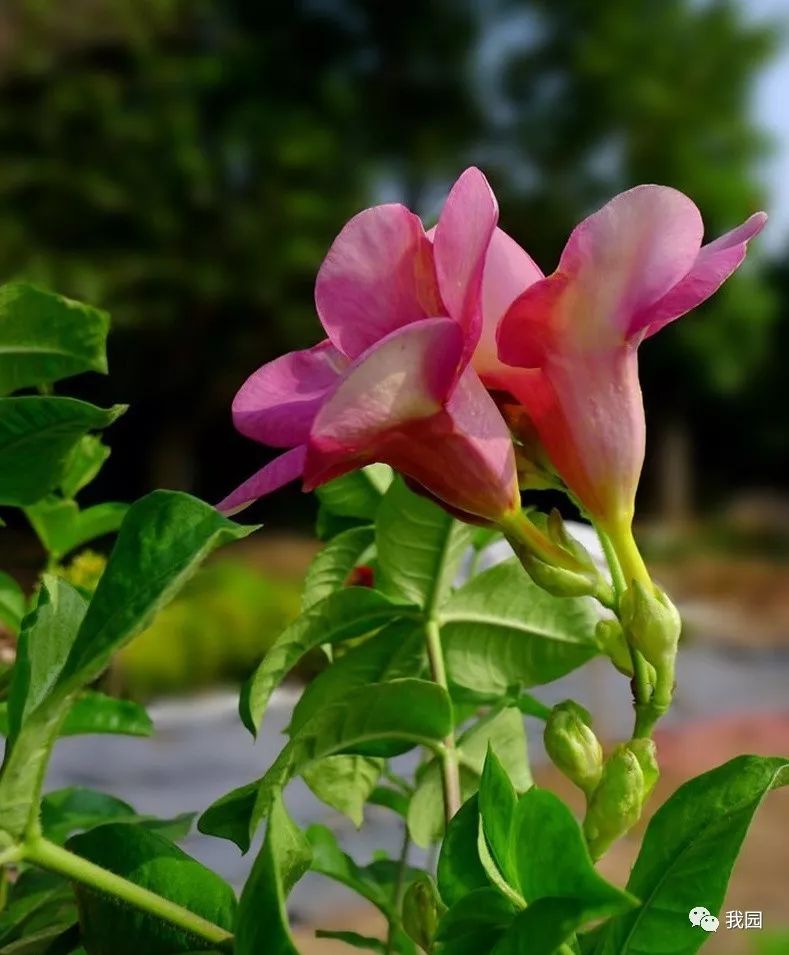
(357, 494)
(482, 912)
(354, 940)
(459, 868)
(545, 829)
(497, 805)
(544, 926)
(500, 629)
(161, 543)
(329, 570)
(503, 730)
(62, 527)
(391, 799)
(341, 616)
(328, 859)
(12, 603)
(344, 783)
(37, 436)
(419, 547)
(149, 860)
(57, 939)
(688, 853)
(283, 860)
(77, 809)
(45, 337)
(36, 900)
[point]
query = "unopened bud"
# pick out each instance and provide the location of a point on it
(558, 581)
(421, 911)
(611, 640)
(653, 624)
(645, 752)
(573, 746)
(616, 804)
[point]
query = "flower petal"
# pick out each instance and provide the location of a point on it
(714, 264)
(460, 245)
(377, 276)
(406, 376)
(282, 470)
(276, 405)
(525, 335)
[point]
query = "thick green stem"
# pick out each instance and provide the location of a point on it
(450, 772)
(49, 856)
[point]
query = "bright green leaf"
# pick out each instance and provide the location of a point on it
(459, 868)
(330, 568)
(688, 853)
(419, 547)
(343, 615)
(483, 913)
(497, 805)
(151, 861)
(357, 494)
(12, 603)
(37, 436)
(544, 926)
(83, 464)
(501, 630)
(344, 783)
(62, 527)
(45, 337)
(94, 712)
(283, 860)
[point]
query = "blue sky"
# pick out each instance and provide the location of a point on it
(771, 105)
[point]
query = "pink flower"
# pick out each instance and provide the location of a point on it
(394, 381)
(626, 271)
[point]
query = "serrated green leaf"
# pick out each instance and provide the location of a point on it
(37, 436)
(357, 494)
(688, 853)
(344, 783)
(330, 568)
(45, 337)
(505, 732)
(378, 720)
(12, 603)
(343, 615)
(501, 630)
(149, 860)
(545, 828)
(283, 860)
(459, 868)
(419, 547)
(62, 527)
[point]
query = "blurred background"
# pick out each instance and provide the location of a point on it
(185, 166)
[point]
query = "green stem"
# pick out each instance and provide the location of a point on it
(450, 772)
(397, 893)
(49, 856)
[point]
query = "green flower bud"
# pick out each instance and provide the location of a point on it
(558, 581)
(616, 804)
(611, 640)
(645, 752)
(422, 910)
(573, 746)
(652, 623)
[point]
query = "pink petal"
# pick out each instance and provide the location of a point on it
(405, 376)
(377, 276)
(282, 470)
(714, 264)
(527, 333)
(460, 246)
(276, 405)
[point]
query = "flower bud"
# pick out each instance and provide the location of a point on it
(421, 911)
(558, 581)
(611, 640)
(645, 752)
(652, 623)
(616, 804)
(573, 746)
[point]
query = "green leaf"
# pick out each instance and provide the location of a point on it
(396, 651)
(354, 940)
(357, 494)
(331, 567)
(12, 603)
(96, 713)
(343, 615)
(459, 868)
(688, 853)
(37, 436)
(344, 783)
(378, 720)
(503, 729)
(151, 861)
(35, 900)
(497, 806)
(484, 913)
(45, 337)
(57, 939)
(500, 630)
(419, 547)
(329, 860)
(390, 798)
(545, 829)
(62, 527)
(83, 464)
(162, 541)
(544, 926)
(283, 860)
